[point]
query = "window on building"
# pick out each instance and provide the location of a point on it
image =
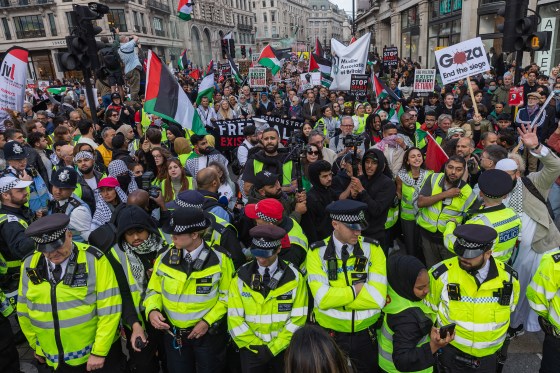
(273, 16)
(265, 18)
(264, 4)
(136, 21)
(271, 3)
(52, 24)
(266, 31)
(158, 26)
(117, 19)
(28, 27)
(69, 20)
(6, 26)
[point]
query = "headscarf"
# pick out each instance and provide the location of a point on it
(402, 272)
(102, 211)
(118, 169)
(390, 141)
(454, 130)
(182, 146)
(83, 155)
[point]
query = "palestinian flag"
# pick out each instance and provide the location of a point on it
(318, 48)
(195, 74)
(56, 90)
(234, 70)
(395, 114)
(435, 156)
(319, 63)
(206, 87)
(352, 40)
(165, 98)
(209, 68)
(326, 80)
(382, 91)
(268, 59)
(183, 61)
(184, 10)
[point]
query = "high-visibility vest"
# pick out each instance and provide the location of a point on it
(271, 320)
(145, 121)
(135, 289)
(6, 308)
(187, 299)
(395, 305)
(408, 209)
(12, 266)
(542, 292)
(361, 124)
(434, 218)
(392, 217)
(286, 171)
(481, 320)
(336, 307)
(67, 323)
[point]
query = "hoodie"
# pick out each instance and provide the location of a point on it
(379, 195)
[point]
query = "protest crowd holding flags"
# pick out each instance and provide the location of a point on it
(197, 216)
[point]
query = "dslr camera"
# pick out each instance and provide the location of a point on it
(352, 141)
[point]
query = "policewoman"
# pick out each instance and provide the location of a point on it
(187, 296)
(69, 305)
(267, 303)
(408, 339)
(477, 293)
(347, 277)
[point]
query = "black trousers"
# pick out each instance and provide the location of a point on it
(550, 355)
(114, 362)
(250, 363)
(361, 350)
(203, 355)
(452, 360)
(146, 360)
(9, 358)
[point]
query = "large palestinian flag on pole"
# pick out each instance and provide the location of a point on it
(183, 61)
(165, 98)
(268, 59)
(234, 70)
(206, 86)
(318, 63)
(184, 10)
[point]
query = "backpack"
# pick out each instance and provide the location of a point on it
(109, 58)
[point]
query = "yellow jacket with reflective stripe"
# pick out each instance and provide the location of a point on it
(504, 220)
(254, 319)
(409, 192)
(482, 322)
(286, 171)
(185, 300)
(392, 217)
(395, 305)
(543, 291)
(135, 290)
(434, 218)
(6, 307)
(336, 306)
(361, 123)
(68, 322)
(11, 266)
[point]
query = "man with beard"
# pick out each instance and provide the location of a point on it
(207, 184)
(206, 113)
(337, 142)
(64, 201)
(272, 160)
(465, 149)
(87, 178)
(429, 126)
(407, 130)
(459, 286)
(251, 140)
(204, 154)
(444, 196)
(315, 222)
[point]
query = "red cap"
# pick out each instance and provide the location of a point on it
(108, 181)
(269, 209)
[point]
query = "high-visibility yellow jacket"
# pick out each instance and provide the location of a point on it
(6, 308)
(482, 321)
(503, 219)
(69, 322)
(286, 171)
(542, 292)
(266, 318)
(337, 307)
(409, 192)
(187, 299)
(395, 305)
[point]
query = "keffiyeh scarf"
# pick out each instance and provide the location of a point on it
(118, 168)
(103, 212)
(153, 243)
(516, 198)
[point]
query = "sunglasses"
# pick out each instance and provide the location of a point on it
(313, 152)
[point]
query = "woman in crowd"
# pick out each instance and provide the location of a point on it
(108, 196)
(312, 155)
(227, 187)
(173, 132)
(175, 181)
(306, 130)
(125, 177)
(244, 108)
(62, 133)
(225, 111)
(183, 149)
(328, 123)
(410, 179)
(433, 102)
(160, 155)
(295, 109)
(112, 119)
(337, 110)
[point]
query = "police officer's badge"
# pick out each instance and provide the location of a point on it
(17, 149)
(64, 176)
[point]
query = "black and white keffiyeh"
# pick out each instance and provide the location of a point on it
(103, 212)
(153, 243)
(516, 198)
(118, 168)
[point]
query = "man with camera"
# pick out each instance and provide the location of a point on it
(340, 143)
(465, 148)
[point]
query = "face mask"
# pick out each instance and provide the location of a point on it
(158, 122)
(124, 180)
(492, 88)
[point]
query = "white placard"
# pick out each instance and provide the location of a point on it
(461, 60)
(424, 80)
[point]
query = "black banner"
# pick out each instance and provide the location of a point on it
(358, 84)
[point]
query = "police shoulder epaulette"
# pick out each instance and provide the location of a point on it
(316, 245)
(556, 257)
(222, 250)
(218, 227)
(95, 252)
(371, 240)
(74, 202)
(439, 270)
(511, 271)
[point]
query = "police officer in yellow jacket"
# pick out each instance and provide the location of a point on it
(187, 296)
(9, 358)
(347, 277)
(543, 298)
(267, 303)
(477, 293)
(69, 305)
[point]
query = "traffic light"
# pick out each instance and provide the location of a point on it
(243, 51)
(231, 48)
(510, 14)
(224, 49)
(528, 38)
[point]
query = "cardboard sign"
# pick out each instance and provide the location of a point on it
(515, 97)
(461, 60)
(310, 80)
(390, 56)
(257, 77)
(358, 84)
(424, 80)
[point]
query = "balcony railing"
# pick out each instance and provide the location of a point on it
(159, 32)
(30, 34)
(247, 28)
(159, 6)
(24, 3)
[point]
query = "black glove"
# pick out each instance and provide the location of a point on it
(263, 353)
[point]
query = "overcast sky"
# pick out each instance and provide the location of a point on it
(344, 4)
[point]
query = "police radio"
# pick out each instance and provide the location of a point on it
(273, 283)
(199, 262)
(360, 264)
(505, 295)
(69, 275)
(174, 257)
(256, 282)
(332, 269)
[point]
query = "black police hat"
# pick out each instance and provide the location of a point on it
(187, 220)
(264, 178)
(48, 232)
(266, 239)
(473, 240)
(495, 183)
(13, 150)
(187, 198)
(65, 177)
(349, 212)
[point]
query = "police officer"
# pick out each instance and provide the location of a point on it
(348, 279)
(9, 358)
(187, 296)
(267, 303)
(543, 298)
(477, 293)
(69, 305)
(494, 187)
(64, 201)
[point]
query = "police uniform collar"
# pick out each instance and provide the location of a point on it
(330, 251)
(484, 210)
(195, 253)
(271, 268)
(246, 272)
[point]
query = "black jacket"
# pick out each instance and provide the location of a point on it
(316, 223)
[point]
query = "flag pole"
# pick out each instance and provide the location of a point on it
(435, 142)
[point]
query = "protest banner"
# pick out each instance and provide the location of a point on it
(515, 97)
(358, 84)
(13, 78)
(462, 60)
(309, 80)
(348, 60)
(424, 80)
(390, 57)
(257, 77)
(255, 58)
(225, 69)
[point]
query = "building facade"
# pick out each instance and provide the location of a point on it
(326, 22)
(42, 25)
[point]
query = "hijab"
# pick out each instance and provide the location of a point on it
(402, 272)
